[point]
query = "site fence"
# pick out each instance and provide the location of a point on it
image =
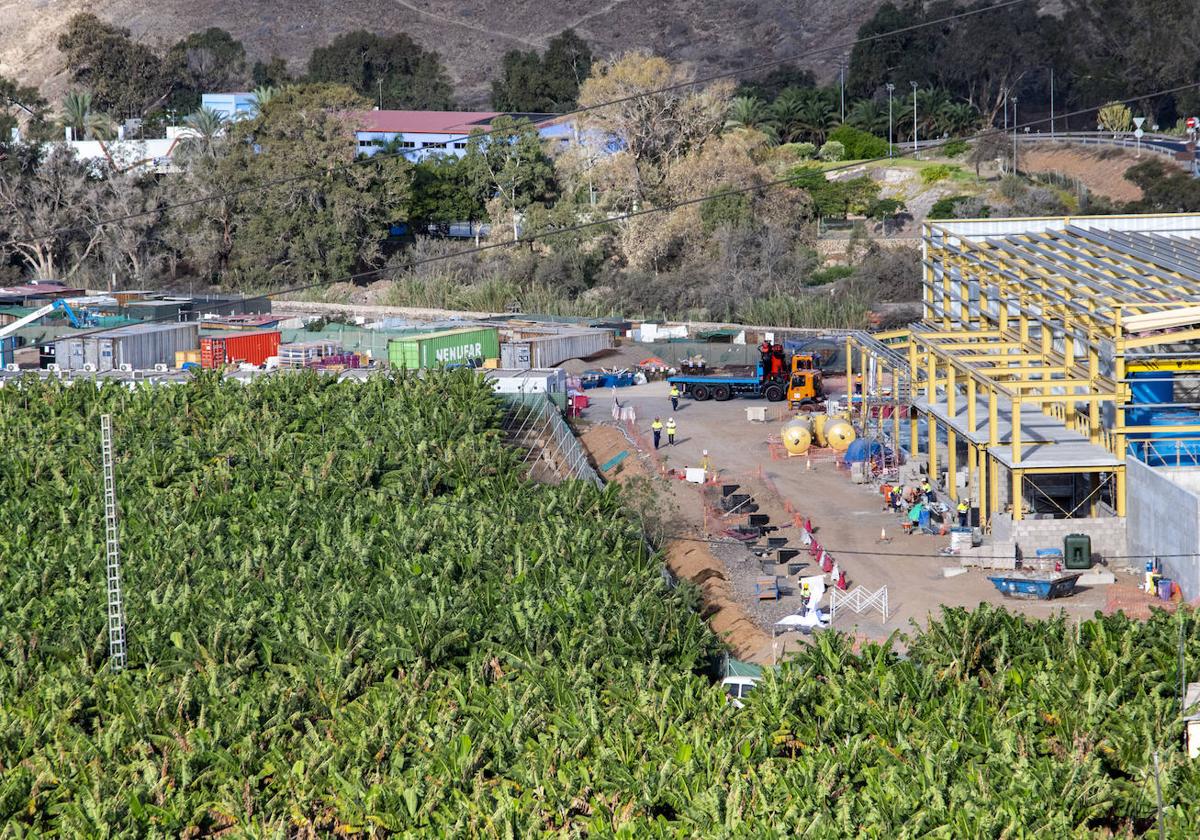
(859, 600)
(536, 423)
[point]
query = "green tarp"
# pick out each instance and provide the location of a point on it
(738, 668)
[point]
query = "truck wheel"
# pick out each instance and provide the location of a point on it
(700, 393)
(721, 393)
(774, 393)
(808, 405)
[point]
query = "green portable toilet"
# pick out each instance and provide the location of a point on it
(1077, 551)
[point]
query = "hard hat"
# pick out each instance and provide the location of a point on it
(705, 451)
(672, 419)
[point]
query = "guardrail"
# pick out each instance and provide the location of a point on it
(1152, 143)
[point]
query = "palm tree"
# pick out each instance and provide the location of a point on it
(785, 113)
(749, 113)
(930, 105)
(869, 115)
(206, 127)
(77, 105)
(264, 94)
(958, 118)
(100, 127)
(816, 115)
(84, 124)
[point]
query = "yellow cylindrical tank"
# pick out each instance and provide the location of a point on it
(819, 421)
(839, 434)
(797, 436)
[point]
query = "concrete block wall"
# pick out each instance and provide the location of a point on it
(1108, 534)
(1164, 521)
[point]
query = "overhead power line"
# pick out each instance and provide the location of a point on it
(402, 154)
(789, 180)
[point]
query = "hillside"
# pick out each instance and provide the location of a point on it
(472, 35)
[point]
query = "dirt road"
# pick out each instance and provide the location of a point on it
(846, 518)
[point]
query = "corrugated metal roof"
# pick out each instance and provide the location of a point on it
(442, 333)
(435, 122)
(138, 329)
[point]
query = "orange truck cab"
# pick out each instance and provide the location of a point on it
(804, 386)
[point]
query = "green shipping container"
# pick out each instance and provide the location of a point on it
(453, 348)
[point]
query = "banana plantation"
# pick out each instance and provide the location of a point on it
(349, 614)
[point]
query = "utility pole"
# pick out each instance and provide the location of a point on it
(890, 87)
(914, 87)
(842, 80)
(380, 94)
(1006, 110)
(116, 611)
(1014, 135)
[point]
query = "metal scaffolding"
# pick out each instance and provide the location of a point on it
(112, 548)
(1031, 329)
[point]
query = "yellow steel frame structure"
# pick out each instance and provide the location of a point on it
(1032, 319)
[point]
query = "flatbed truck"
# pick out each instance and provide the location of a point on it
(801, 385)
(725, 385)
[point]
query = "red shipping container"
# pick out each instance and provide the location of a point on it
(251, 347)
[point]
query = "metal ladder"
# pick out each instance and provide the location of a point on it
(116, 611)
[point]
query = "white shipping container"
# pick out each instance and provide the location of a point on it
(140, 346)
(553, 381)
(541, 350)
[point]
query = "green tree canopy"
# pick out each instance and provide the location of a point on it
(126, 78)
(273, 73)
(443, 191)
(1165, 188)
(509, 165)
(20, 103)
(205, 62)
(322, 213)
(836, 198)
(547, 83)
(411, 76)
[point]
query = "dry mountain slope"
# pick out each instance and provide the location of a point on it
(471, 35)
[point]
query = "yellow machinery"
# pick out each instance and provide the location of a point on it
(797, 436)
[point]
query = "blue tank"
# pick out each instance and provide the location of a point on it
(1168, 449)
(1149, 387)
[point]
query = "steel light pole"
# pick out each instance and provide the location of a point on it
(1051, 103)
(890, 87)
(914, 87)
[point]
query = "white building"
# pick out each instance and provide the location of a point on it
(419, 134)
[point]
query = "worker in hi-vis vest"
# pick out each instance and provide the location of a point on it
(671, 431)
(656, 427)
(964, 513)
(674, 397)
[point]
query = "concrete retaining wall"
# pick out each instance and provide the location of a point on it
(1164, 519)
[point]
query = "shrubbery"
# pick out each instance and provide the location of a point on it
(937, 172)
(832, 151)
(954, 148)
(858, 144)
